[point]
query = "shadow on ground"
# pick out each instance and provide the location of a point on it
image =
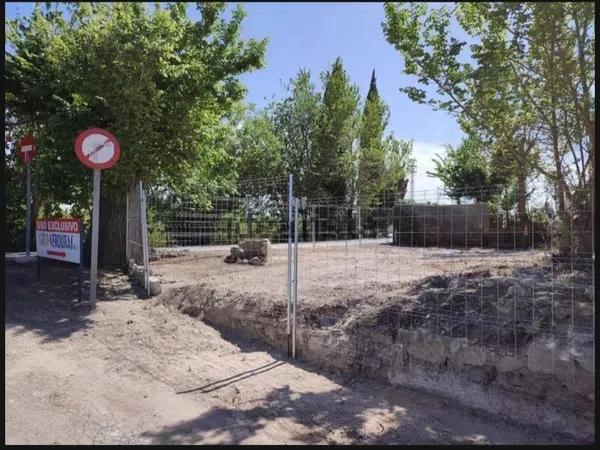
(350, 414)
(49, 306)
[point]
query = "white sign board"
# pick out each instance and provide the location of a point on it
(59, 239)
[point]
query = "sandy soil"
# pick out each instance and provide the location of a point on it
(331, 271)
(134, 371)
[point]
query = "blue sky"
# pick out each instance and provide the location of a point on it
(312, 35)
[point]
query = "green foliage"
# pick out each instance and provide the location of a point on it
(464, 170)
(523, 82)
(382, 162)
(157, 236)
(157, 80)
(337, 131)
(16, 204)
(296, 122)
(257, 148)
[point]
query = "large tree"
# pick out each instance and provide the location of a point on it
(524, 83)
(160, 82)
(371, 145)
(296, 122)
(337, 132)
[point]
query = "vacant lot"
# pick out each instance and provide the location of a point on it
(331, 270)
(135, 371)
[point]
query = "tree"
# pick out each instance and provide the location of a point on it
(160, 82)
(296, 123)
(372, 155)
(257, 149)
(525, 85)
(397, 163)
(337, 131)
(465, 171)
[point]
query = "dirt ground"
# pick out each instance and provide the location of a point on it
(331, 271)
(134, 371)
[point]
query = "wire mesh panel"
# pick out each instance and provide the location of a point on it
(481, 271)
(134, 249)
(495, 287)
(236, 243)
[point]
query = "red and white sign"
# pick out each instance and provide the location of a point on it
(59, 239)
(27, 149)
(97, 148)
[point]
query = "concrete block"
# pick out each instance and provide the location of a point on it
(256, 247)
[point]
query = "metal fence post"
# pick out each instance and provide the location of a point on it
(144, 229)
(28, 223)
(289, 259)
(296, 204)
(127, 250)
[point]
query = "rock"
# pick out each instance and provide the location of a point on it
(193, 311)
(230, 259)
(155, 288)
(510, 363)
(545, 356)
(256, 261)
(256, 247)
(583, 350)
(236, 252)
(428, 349)
(471, 355)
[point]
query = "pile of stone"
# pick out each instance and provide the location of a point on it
(137, 274)
(252, 251)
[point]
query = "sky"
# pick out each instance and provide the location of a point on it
(312, 36)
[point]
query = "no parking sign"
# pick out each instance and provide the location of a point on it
(97, 149)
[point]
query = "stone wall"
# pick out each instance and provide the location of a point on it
(541, 385)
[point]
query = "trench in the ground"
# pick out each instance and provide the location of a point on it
(434, 335)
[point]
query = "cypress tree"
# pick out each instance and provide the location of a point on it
(372, 152)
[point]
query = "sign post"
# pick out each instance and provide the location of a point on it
(28, 151)
(97, 149)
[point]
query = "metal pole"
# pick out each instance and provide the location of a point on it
(313, 216)
(144, 224)
(80, 267)
(28, 224)
(95, 224)
(289, 277)
(359, 227)
(127, 251)
(296, 203)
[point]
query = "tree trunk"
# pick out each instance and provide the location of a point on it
(111, 240)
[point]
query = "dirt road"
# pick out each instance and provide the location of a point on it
(134, 371)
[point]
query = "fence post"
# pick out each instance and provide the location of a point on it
(312, 214)
(127, 251)
(289, 260)
(359, 226)
(296, 203)
(144, 229)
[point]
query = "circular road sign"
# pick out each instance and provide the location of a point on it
(27, 149)
(97, 148)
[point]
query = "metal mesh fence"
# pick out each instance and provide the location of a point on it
(134, 249)
(483, 268)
